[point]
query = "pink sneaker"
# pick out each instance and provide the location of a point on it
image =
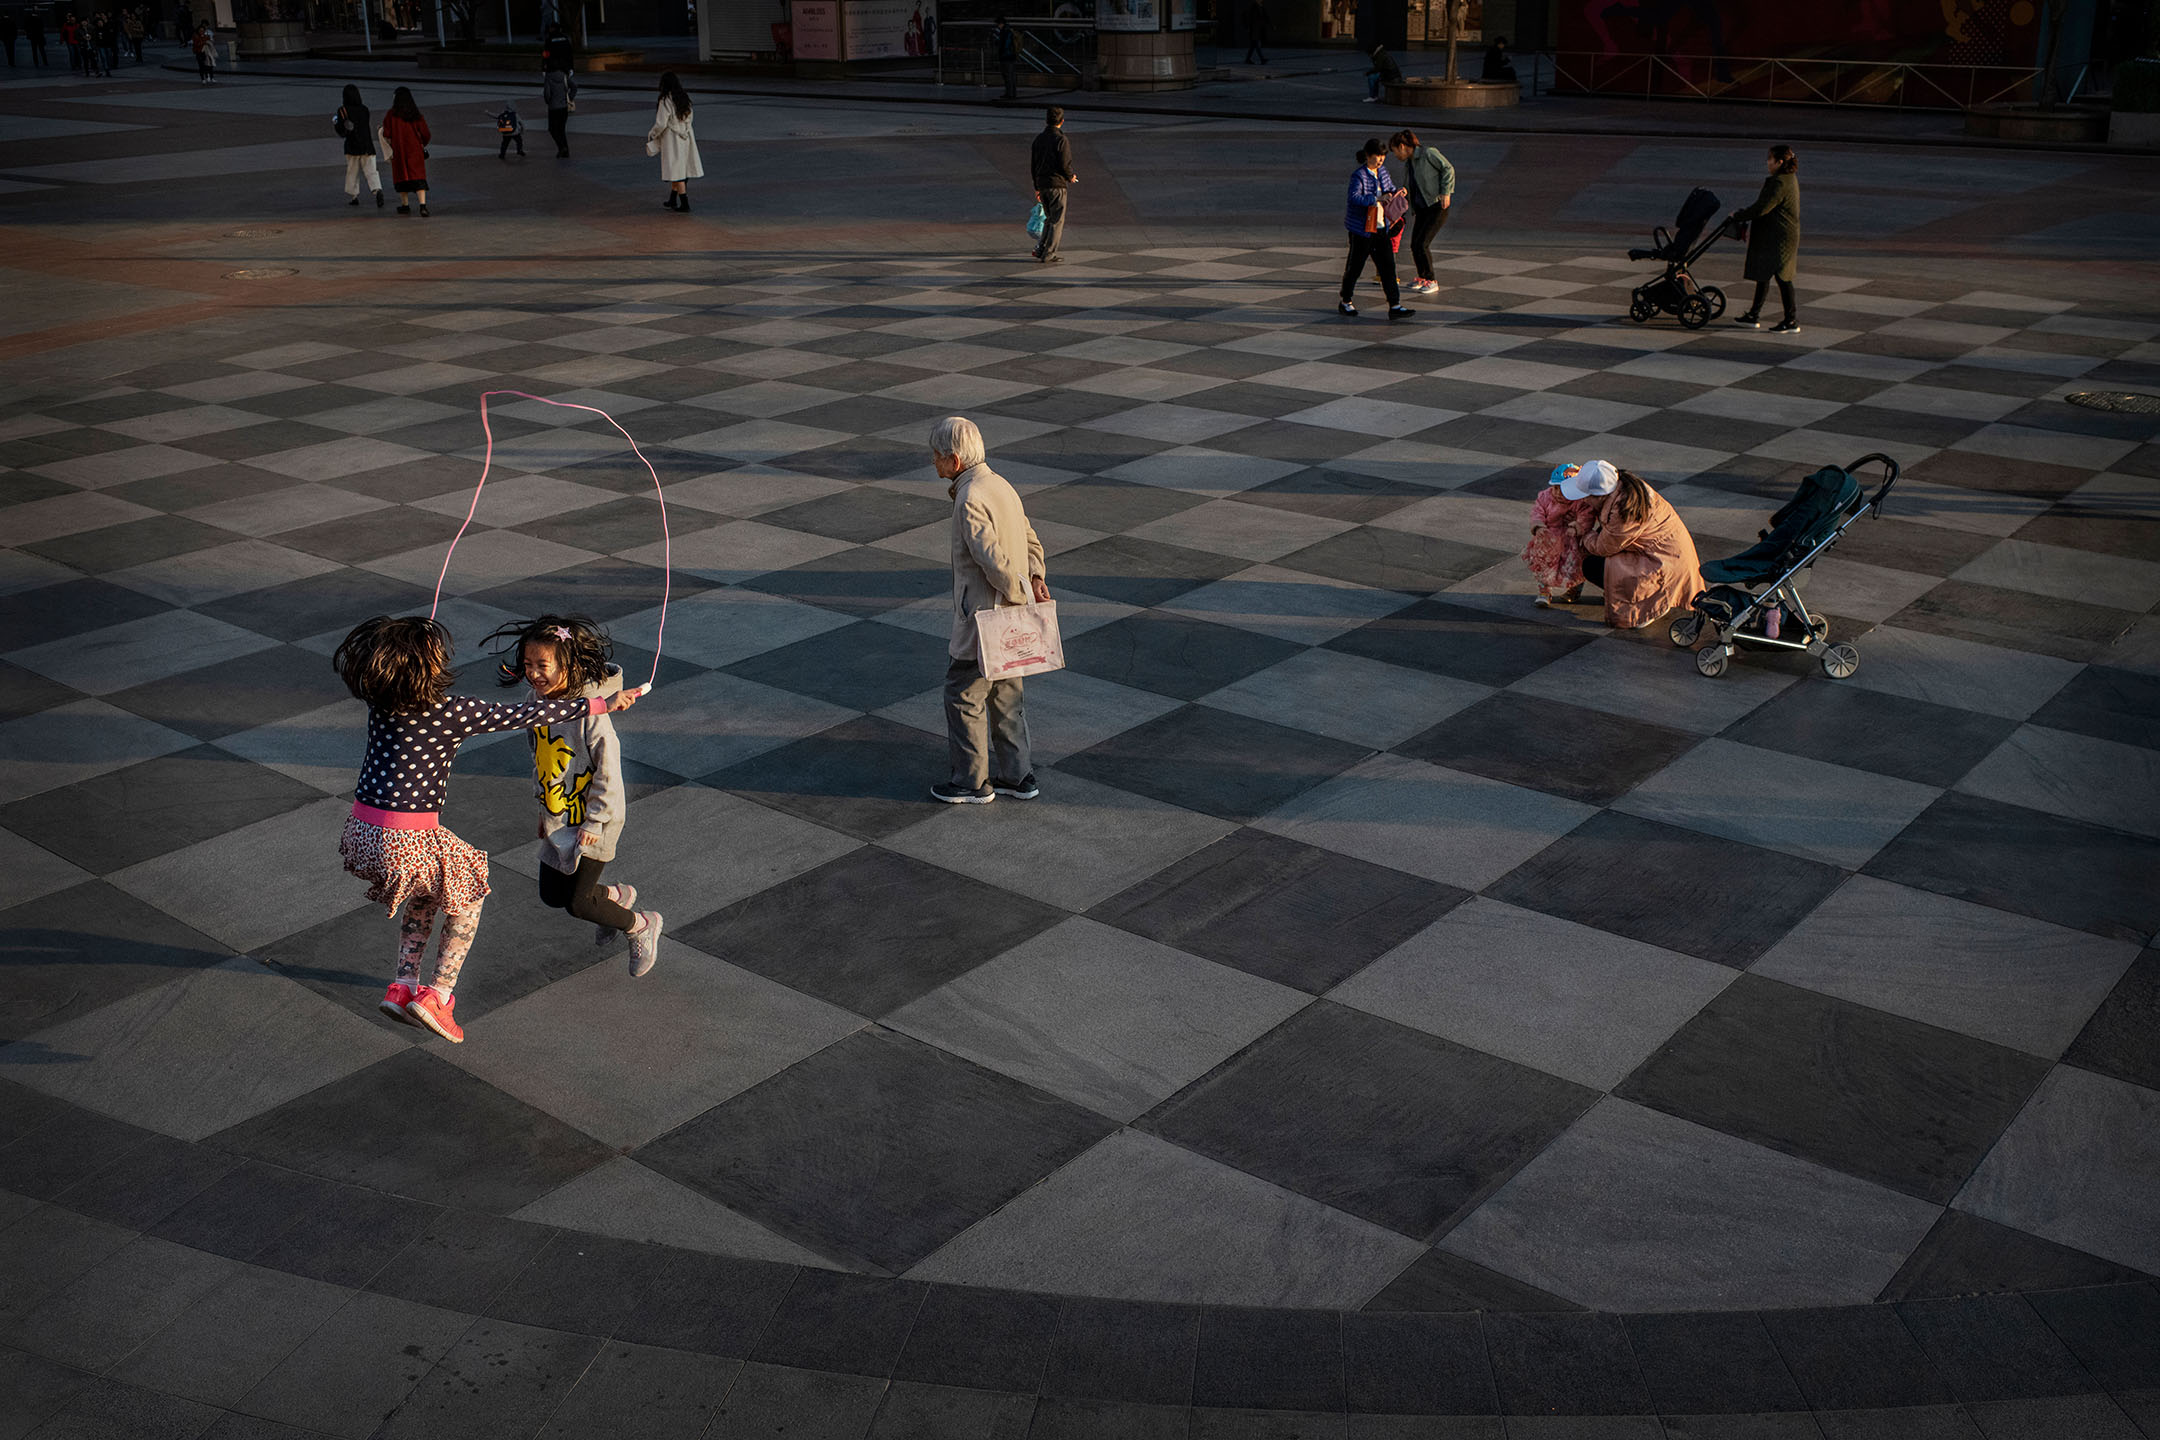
(394, 1001)
(432, 1009)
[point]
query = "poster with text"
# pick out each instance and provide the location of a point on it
(1128, 15)
(816, 26)
(891, 29)
(1184, 14)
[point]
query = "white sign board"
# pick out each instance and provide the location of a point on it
(890, 29)
(1128, 15)
(816, 25)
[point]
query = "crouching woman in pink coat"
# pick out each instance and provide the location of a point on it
(1635, 546)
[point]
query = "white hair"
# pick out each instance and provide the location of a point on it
(957, 437)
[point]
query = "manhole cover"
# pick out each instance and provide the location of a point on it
(2121, 400)
(268, 272)
(257, 232)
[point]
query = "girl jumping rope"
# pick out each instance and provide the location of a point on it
(394, 840)
(577, 777)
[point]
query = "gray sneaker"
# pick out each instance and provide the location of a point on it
(625, 896)
(645, 943)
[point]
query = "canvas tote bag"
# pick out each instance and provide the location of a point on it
(1012, 641)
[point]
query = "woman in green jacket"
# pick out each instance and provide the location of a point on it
(1432, 193)
(1773, 247)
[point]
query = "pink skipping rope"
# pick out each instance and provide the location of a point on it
(667, 544)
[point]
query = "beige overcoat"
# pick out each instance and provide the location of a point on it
(1650, 566)
(994, 551)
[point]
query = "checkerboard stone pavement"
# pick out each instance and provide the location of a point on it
(1379, 943)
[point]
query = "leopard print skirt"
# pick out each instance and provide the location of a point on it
(399, 864)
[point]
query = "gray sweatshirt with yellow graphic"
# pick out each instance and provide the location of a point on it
(577, 775)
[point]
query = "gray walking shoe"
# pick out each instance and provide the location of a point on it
(625, 896)
(645, 943)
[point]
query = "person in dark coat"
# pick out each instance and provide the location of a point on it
(1384, 72)
(1256, 33)
(1050, 162)
(1498, 65)
(1773, 247)
(558, 89)
(1007, 46)
(7, 35)
(350, 124)
(34, 35)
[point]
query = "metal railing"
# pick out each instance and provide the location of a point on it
(1055, 50)
(1796, 81)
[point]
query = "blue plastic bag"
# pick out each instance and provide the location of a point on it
(1035, 222)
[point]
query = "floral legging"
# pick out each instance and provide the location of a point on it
(459, 927)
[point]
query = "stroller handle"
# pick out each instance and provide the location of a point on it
(1890, 474)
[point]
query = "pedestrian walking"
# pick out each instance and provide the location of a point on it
(71, 35)
(404, 136)
(1007, 46)
(1773, 247)
(184, 24)
(131, 25)
(1432, 197)
(1256, 33)
(351, 124)
(205, 47)
(1384, 72)
(105, 33)
(512, 130)
(1050, 160)
(558, 91)
(34, 36)
(557, 54)
(674, 140)
(1371, 229)
(996, 560)
(7, 35)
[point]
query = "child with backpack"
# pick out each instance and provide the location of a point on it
(512, 131)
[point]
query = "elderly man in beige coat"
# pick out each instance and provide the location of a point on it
(996, 560)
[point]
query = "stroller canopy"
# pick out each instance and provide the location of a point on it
(1823, 502)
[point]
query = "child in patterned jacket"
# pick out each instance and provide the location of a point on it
(1554, 553)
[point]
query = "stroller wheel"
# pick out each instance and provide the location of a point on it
(1640, 309)
(1711, 663)
(1686, 630)
(1695, 311)
(1840, 661)
(1716, 297)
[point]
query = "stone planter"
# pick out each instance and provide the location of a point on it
(271, 40)
(2133, 127)
(2031, 122)
(1162, 60)
(1434, 92)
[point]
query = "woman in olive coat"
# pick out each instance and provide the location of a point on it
(1773, 247)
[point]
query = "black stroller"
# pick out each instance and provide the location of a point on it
(1675, 292)
(1828, 503)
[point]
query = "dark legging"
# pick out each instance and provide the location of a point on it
(1593, 570)
(559, 127)
(1380, 249)
(1785, 293)
(582, 895)
(1428, 223)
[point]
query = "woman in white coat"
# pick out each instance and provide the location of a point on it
(675, 142)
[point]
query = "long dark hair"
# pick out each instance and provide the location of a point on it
(1631, 500)
(1369, 149)
(402, 106)
(400, 666)
(581, 647)
(352, 99)
(1787, 158)
(1404, 137)
(671, 91)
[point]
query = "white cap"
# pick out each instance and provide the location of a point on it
(1597, 477)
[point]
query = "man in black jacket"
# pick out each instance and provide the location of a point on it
(1051, 162)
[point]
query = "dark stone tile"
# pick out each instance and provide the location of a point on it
(244, 1210)
(356, 539)
(33, 1388)
(1917, 1422)
(1171, 654)
(318, 604)
(625, 524)
(1298, 444)
(870, 930)
(1913, 427)
(2085, 876)
(416, 480)
(634, 1392)
(980, 1339)
(1393, 560)
(1810, 384)
(1389, 1124)
(1585, 755)
(1108, 1420)
(1107, 505)
(2066, 629)
(1270, 1360)
(1714, 1363)
(1440, 1282)
(1858, 1357)
(70, 952)
(868, 777)
(1494, 435)
(23, 1110)
(143, 1184)
(2122, 1038)
(500, 1379)
(843, 1324)
(862, 666)
(20, 487)
(1577, 1364)
(861, 515)
(25, 692)
(138, 542)
(1888, 1099)
(1456, 640)
(1335, 495)
(1124, 1350)
(915, 1411)
(606, 589)
(1999, 474)
(1418, 1365)
(479, 1149)
(73, 607)
(2110, 1329)
(259, 688)
(914, 1146)
(864, 581)
(460, 1258)
(1966, 1255)
(113, 820)
(713, 1304)
(1717, 433)
(1993, 1347)
(109, 1410)
(254, 1427)
(1133, 571)
(772, 1400)
(2103, 532)
(346, 1237)
(1215, 762)
(1867, 730)
(2108, 703)
(588, 1284)
(1272, 907)
(1898, 544)
(1643, 880)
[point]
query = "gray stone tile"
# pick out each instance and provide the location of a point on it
(1965, 674)
(208, 1050)
(625, 1200)
(498, 1379)
(28, 871)
(1573, 1001)
(2101, 781)
(1781, 802)
(721, 626)
(2079, 1167)
(2067, 574)
(1654, 683)
(2089, 1417)
(1979, 971)
(1445, 825)
(120, 1302)
(71, 743)
(357, 1367)
(914, 1411)
(109, 1410)
(295, 878)
(1346, 697)
(1104, 1018)
(642, 1391)
(321, 747)
(32, 1389)
(1773, 1426)
(223, 1345)
(769, 1401)
(625, 1060)
(1287, 604)
(1137, 1218)
(717, 720)
(1635, 1210)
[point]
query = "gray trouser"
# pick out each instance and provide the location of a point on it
(1053, 203)
(982, 714)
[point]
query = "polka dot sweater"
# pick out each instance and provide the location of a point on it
(407, 767)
